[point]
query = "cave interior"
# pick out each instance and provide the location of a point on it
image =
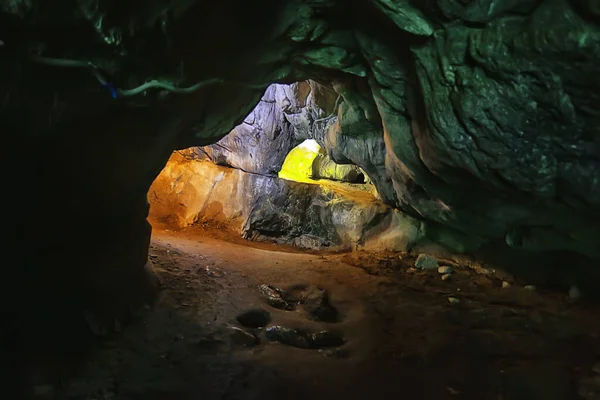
(302, 199)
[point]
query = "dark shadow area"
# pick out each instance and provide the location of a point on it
(553, 270)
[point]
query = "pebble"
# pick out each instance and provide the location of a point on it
(453, 300)
(425, 261)
(275, 297)
(446, 277)
(530, 287)
(575, 293)
(505, 285)
(445, 270)
(240, 337)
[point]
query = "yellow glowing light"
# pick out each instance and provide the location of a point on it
(299, 162)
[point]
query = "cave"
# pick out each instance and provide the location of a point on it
(302, 199)
(309, 162)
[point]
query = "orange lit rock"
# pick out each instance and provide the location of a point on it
(307, 215)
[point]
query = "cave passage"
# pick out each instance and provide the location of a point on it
(300, 199)
(279, 191)
(296, 278)
(283, 273)
(308, 162)
(299, 162)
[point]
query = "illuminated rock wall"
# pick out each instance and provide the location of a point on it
(315, 216)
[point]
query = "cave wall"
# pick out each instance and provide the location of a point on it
(264, 138)
(286, 116)
(478, 117)
(328, 216)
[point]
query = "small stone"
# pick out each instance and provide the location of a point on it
(446, 277)
(575, 293)
(530, 287)
(505, 285)
(316, 302)
(411, 270)
(426, 262)
(453, 300)
(240, 337)
(445, 270)
(275, 297)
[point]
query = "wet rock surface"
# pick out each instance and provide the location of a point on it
(276, 297)
(302, 338)
(265, 208)
(313, 300)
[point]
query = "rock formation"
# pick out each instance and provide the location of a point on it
(328, 215)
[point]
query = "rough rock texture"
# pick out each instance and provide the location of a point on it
(285, 116)
(260, 207)
(265, 137)
(324, 167)
(479, 117)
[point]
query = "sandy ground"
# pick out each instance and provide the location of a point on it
(404, 338)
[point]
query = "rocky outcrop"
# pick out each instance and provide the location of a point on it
(324, 167)
(265, 137)
(307, 215)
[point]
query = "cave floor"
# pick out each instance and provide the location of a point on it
(404, 338)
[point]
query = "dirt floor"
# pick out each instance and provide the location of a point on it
(394, 331)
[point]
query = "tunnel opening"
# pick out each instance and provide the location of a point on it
(298, 164)
(360, 178)
(286, 191)
(309, 162)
